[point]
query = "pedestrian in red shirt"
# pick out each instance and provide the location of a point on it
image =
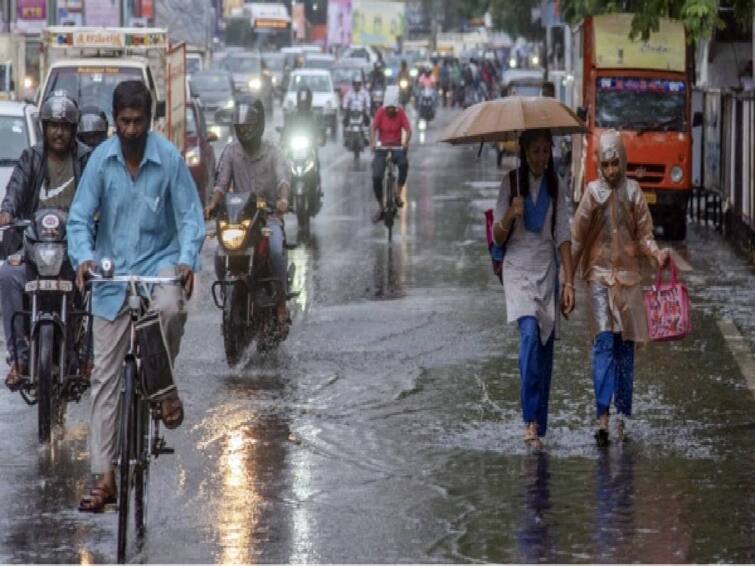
(386, 130)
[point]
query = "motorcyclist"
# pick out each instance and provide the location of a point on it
(46, 176)
(303, 119)
(93, 126)
(357, 99)
(426, 80)
(403, 72)
(377, 76)
(256, 165)
(387, 128)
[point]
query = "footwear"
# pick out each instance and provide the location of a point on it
(399, 202)
(172, 412)
(601, 432)
(15, 377)
(531, 438)
(378, 216)
(96, 500)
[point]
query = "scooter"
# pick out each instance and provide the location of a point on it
(301, 151)
(427, 104)
(354, 134)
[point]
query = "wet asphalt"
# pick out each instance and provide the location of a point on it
(387, 428)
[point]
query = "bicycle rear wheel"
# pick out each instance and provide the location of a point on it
(127, 445)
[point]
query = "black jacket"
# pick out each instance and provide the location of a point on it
(22, 193)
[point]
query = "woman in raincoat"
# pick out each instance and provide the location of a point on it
(533, 239)
(612, 227)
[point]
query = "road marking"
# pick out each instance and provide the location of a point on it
(740, 349)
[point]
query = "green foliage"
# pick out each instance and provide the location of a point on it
(700, 17)
(515, 18)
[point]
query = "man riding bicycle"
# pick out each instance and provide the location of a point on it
(256, 165)
(388, 128)
(46, 176)
(150, 223)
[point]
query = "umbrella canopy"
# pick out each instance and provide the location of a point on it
(504, 119)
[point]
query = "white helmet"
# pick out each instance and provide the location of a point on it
(391, 96)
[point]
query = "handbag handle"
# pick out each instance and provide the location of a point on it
(674, 274)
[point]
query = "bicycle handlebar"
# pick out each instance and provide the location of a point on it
(389, 148)
(95, 277)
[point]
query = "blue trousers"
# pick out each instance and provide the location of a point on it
(535, 369)
(612, 372)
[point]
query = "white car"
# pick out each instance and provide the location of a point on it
(324, 101)
(18, 130)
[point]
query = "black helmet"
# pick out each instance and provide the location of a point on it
(59, 107)
(249, 119)
(304, 98)
(93, 126)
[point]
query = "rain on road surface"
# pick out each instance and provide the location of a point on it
(387, 427)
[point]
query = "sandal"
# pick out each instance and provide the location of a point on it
(172, 412)
(15, 378)
(97, 499)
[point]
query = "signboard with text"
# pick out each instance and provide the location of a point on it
(377, 22)
(31, 16)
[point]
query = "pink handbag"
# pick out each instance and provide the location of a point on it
(667, 308)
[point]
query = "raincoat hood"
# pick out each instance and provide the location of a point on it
(610, 146)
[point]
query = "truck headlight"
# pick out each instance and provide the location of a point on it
(233, 237)
(677, 174)
(48, 258)
(193, 157)
(230, 104)
(255, 83)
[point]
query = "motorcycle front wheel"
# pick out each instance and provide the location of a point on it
(302, 210)
(47, 403)
(235, 332)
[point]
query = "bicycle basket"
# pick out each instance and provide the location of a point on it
(156, 373)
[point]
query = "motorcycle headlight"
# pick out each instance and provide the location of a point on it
(677, 174)
(403, 83)
(275, 80)
(233, 237)
(413, 73)
(230, 105)
(48, 258)
(255, 83)
(388, 72)
(299, 143)
(193, 157)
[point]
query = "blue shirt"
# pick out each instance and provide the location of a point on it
(145, 225)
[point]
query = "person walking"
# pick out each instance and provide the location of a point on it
(532, 222)
(612, 227)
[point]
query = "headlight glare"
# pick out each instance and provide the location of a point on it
(299, 143)
(233, 237)
(255, 83)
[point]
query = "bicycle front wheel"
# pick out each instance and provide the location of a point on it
(127, 452)
(141, 469)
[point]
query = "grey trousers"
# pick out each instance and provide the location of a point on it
(111, 342)
(12, 281)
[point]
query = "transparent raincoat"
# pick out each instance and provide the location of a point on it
(612, 227)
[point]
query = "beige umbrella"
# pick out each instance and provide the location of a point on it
(504, 119)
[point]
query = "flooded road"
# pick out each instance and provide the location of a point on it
(387, 428)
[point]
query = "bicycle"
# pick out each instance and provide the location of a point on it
(139, 439)
(390, 187)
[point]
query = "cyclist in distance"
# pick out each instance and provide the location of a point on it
(150, 223)
(391, 128)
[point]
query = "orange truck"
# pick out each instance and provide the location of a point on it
(643, 90)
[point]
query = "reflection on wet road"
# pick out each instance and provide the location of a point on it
(387, 428)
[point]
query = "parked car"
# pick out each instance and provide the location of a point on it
(198, 153)
(215, 90)
(18, 130)
(324, 102)
(248, 77)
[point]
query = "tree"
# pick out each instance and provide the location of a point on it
(700, 17)
(515, 18)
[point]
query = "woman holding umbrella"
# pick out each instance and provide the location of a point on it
(531, 221)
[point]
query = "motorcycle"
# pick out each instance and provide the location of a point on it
(58, 344)
(301, 151)
(376, 100)
(354, 134)
(427, 104)
(404, 91)
(246, 291)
